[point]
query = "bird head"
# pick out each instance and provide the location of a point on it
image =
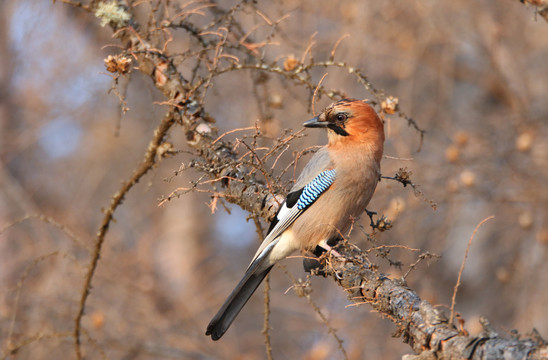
(350, 121)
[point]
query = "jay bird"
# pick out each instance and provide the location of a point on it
(333, 189)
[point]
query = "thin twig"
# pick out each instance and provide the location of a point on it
(421, 257)
(230, 132)
(266, 322)
(51, 221)
(315, 92)
(456, 288)
(20, 283)
(332, 56)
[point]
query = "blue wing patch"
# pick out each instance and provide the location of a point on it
(315, 188)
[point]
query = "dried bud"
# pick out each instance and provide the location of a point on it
(404, 176)
(110, 64)
(124, 64)
(383, 224)
(390, 105)
(118, 63)
(290, 63)
(165, 150)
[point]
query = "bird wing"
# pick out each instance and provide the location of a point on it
(295, 204)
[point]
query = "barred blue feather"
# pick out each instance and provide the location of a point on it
(315, 188)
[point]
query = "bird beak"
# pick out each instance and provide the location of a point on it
(315, 123)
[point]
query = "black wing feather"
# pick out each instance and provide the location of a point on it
(290, 201)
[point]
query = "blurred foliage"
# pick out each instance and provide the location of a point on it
(76, 119)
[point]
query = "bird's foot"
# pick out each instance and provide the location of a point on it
(325, 245)
(311, 261)
(312, 264)
(370, 214)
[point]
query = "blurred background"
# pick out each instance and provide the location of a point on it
(471, 73)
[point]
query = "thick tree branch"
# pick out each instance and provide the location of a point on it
(421, 325)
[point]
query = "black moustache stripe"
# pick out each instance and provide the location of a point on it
(338, 130)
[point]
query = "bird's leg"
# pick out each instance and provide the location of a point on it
(311, 262)
(370, 214)
(324, 245)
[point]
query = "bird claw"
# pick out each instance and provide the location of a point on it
(370, 214)
(311, 264)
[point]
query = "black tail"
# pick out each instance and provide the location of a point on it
(236, 301)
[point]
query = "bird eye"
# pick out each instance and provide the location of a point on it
(341, 117)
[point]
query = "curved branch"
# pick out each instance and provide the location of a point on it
(116, 200)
